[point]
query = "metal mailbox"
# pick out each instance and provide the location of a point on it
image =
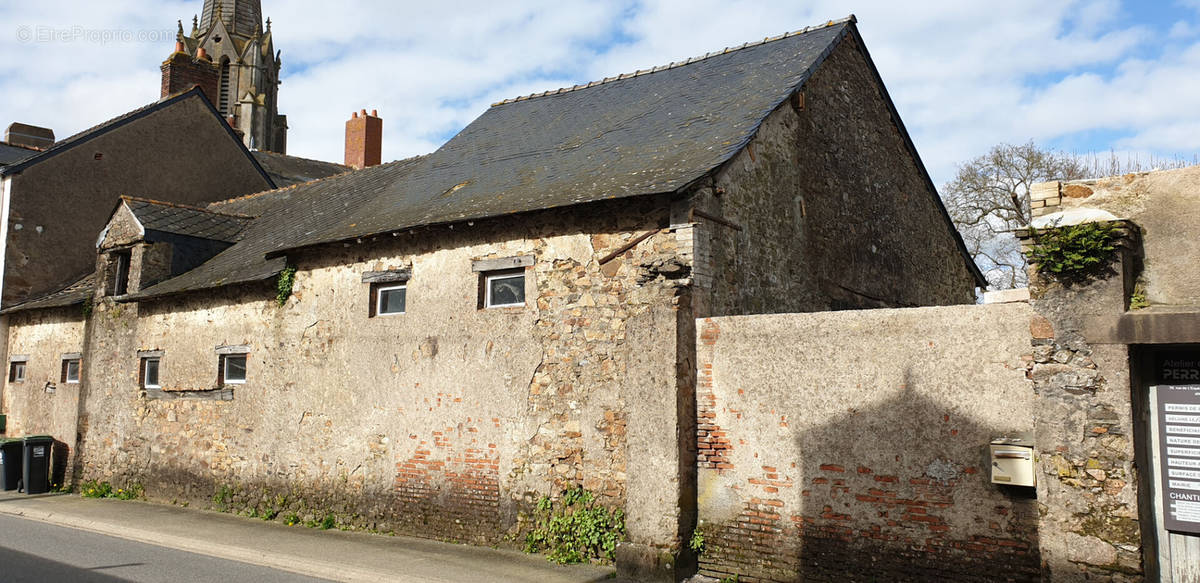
(1012, 461)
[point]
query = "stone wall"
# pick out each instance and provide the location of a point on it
(853, 445)
(1164, 203)
(43, 404)
(447, 421)
(1088, 494)
(827, 208)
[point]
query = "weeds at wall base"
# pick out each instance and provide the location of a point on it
(102, 489)
(575, 529)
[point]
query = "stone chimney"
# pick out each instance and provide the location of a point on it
(181, 72)
(364, 139)
(27, 136)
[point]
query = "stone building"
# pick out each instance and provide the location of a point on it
(429, 345)
(230, 53)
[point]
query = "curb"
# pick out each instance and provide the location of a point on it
(291, 563)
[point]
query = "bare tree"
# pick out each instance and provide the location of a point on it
(989, 198)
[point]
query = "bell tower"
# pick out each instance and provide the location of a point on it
(228, 41)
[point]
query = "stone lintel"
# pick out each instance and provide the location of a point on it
(502, 263)
(389, 276)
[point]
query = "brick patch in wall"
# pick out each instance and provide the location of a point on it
(881, 527)
(451, 484)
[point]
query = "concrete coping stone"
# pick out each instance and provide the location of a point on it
(1005, 296)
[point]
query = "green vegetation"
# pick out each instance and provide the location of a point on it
(283, 287)
(1073, 252)
(95, 489)
(222, 497)
(697, 542)
(1137, 300)
(575, 529)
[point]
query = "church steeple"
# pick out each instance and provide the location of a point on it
(240, 16)
(230, 33)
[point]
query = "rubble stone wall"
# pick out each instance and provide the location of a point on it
(827, 208)
(447, 421)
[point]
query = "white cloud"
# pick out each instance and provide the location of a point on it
(964, 75)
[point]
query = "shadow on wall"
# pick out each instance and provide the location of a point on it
(895, 491)
(910, 498)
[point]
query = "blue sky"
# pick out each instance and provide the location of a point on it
(1081, 75)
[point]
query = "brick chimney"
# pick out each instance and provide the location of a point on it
(181, 72)
(364, 139)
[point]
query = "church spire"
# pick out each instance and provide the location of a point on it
(241, 17)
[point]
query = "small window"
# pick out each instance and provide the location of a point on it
(504, 288)
(149, 375)
(390, 299)
(70, 370)
(233, 369)
(121, 277)
(16, 372)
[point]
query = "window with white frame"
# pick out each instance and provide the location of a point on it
(150, 367)
(232, 369)
(390, 299)
(70, 369)
(504, 288)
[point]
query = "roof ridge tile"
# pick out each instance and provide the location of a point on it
(850, 19)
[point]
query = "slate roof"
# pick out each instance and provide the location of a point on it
(126, 118)
(652, 132)
(246, 261)
(185, 220)
(287, 170)
(14, 154)
(76, 293)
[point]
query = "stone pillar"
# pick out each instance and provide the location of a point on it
(1084, 424)
(660, 507)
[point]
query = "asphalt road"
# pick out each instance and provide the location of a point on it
(37, 552)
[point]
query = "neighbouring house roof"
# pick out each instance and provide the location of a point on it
(124, 119)
(14, 154)
(287, 170)
(76, 293)
(186, 220)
